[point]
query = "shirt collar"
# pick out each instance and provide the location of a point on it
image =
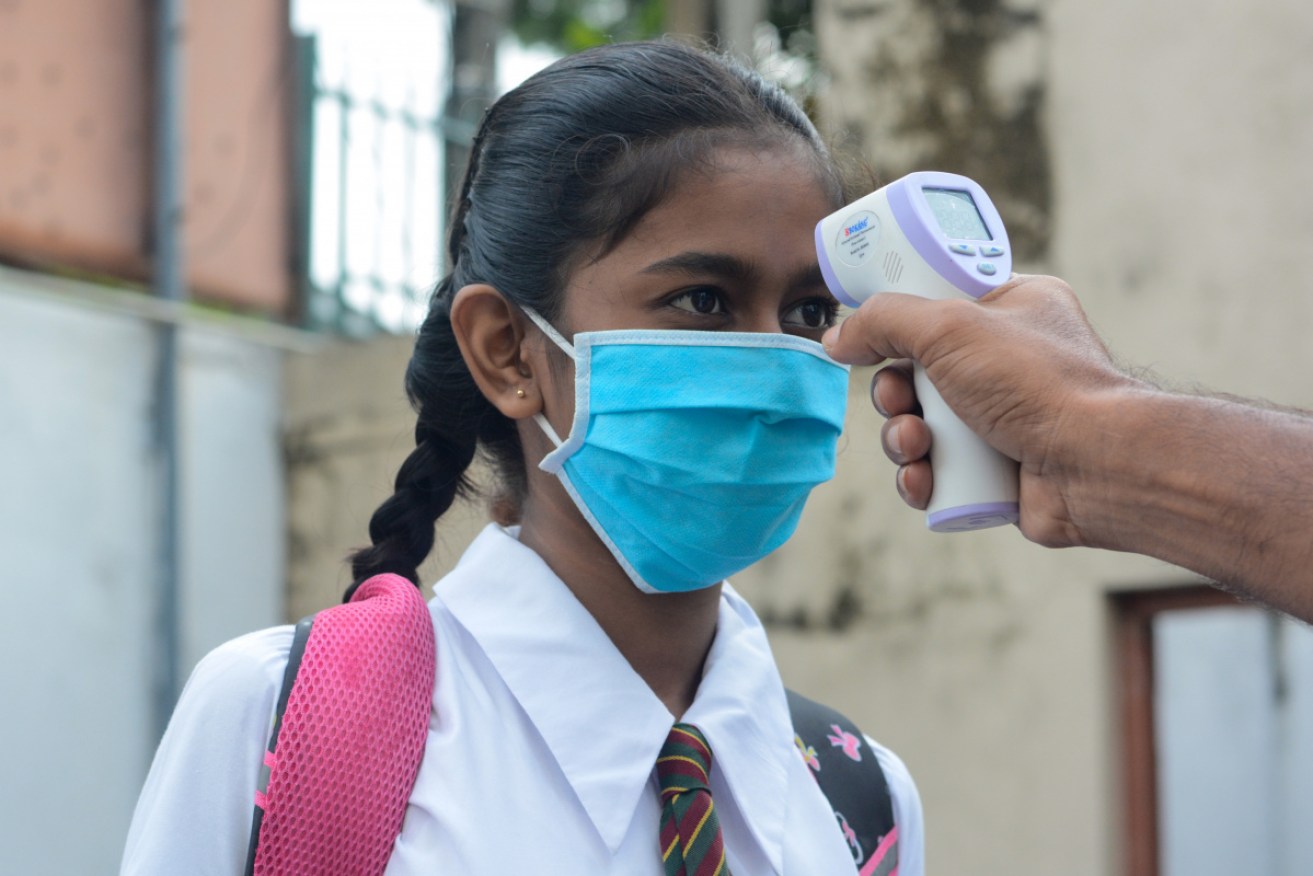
(740, 704)
(565, 673)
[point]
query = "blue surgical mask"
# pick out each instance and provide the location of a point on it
(692, 453)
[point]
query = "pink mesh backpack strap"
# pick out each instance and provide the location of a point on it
(348, 735)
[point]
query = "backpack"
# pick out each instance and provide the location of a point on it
(376, 656)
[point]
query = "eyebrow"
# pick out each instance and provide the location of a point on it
(730, 267)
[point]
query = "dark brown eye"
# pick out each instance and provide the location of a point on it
(814, 313)
(702, 300)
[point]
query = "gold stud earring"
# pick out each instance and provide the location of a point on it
(519, 393)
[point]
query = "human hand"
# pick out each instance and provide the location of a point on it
(1022, 368)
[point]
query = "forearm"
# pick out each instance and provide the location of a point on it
(1219, 487)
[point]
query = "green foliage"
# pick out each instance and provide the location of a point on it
(574, 25)
(787, 56)
(789, 15)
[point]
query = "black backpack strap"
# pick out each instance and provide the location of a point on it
(262, 784)
(852, 780)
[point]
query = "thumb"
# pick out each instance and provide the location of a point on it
(889, 325)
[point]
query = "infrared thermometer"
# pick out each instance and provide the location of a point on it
(935, 235)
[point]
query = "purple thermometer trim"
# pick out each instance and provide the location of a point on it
(913, 216)
(827, 271)
(1011, 511)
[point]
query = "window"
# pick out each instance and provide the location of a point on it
(376, 77)
(1217, 728)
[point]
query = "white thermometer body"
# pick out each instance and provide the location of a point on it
(935, 235)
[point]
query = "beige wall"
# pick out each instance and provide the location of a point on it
(1182, 134)
(1173, 144)
(348, 428)
(1155, 155)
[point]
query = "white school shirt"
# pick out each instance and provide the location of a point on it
(540, 751)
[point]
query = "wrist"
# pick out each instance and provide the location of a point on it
(1105, 457)
(1197, 481)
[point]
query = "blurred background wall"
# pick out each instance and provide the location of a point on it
(83, 458)
(1152, 155)
(1073, 712)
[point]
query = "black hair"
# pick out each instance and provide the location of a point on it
(562, 167)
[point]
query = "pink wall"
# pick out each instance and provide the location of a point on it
(76, 143)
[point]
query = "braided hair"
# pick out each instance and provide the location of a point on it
(564, 165)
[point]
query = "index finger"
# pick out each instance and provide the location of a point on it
(888, 325)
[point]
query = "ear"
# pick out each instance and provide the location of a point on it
(490, 332)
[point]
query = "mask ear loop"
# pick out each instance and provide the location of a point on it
(560, 341)
(548, 430)
(548, 330)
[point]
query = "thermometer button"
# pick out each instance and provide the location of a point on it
(991, 252)
(987, 268)
(962, 248)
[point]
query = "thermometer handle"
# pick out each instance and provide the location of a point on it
(975, 486)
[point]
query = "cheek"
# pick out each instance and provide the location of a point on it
(557, 387)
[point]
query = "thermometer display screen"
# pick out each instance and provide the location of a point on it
(956, 213)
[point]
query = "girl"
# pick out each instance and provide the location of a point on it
(629, 334)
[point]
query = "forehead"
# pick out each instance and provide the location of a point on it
(758, 205)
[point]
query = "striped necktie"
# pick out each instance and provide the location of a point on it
(691, 844)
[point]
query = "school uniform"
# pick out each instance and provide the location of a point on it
(540, 749)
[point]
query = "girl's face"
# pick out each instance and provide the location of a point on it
(729, 249)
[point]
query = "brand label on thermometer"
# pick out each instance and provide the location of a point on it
(855, 243)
